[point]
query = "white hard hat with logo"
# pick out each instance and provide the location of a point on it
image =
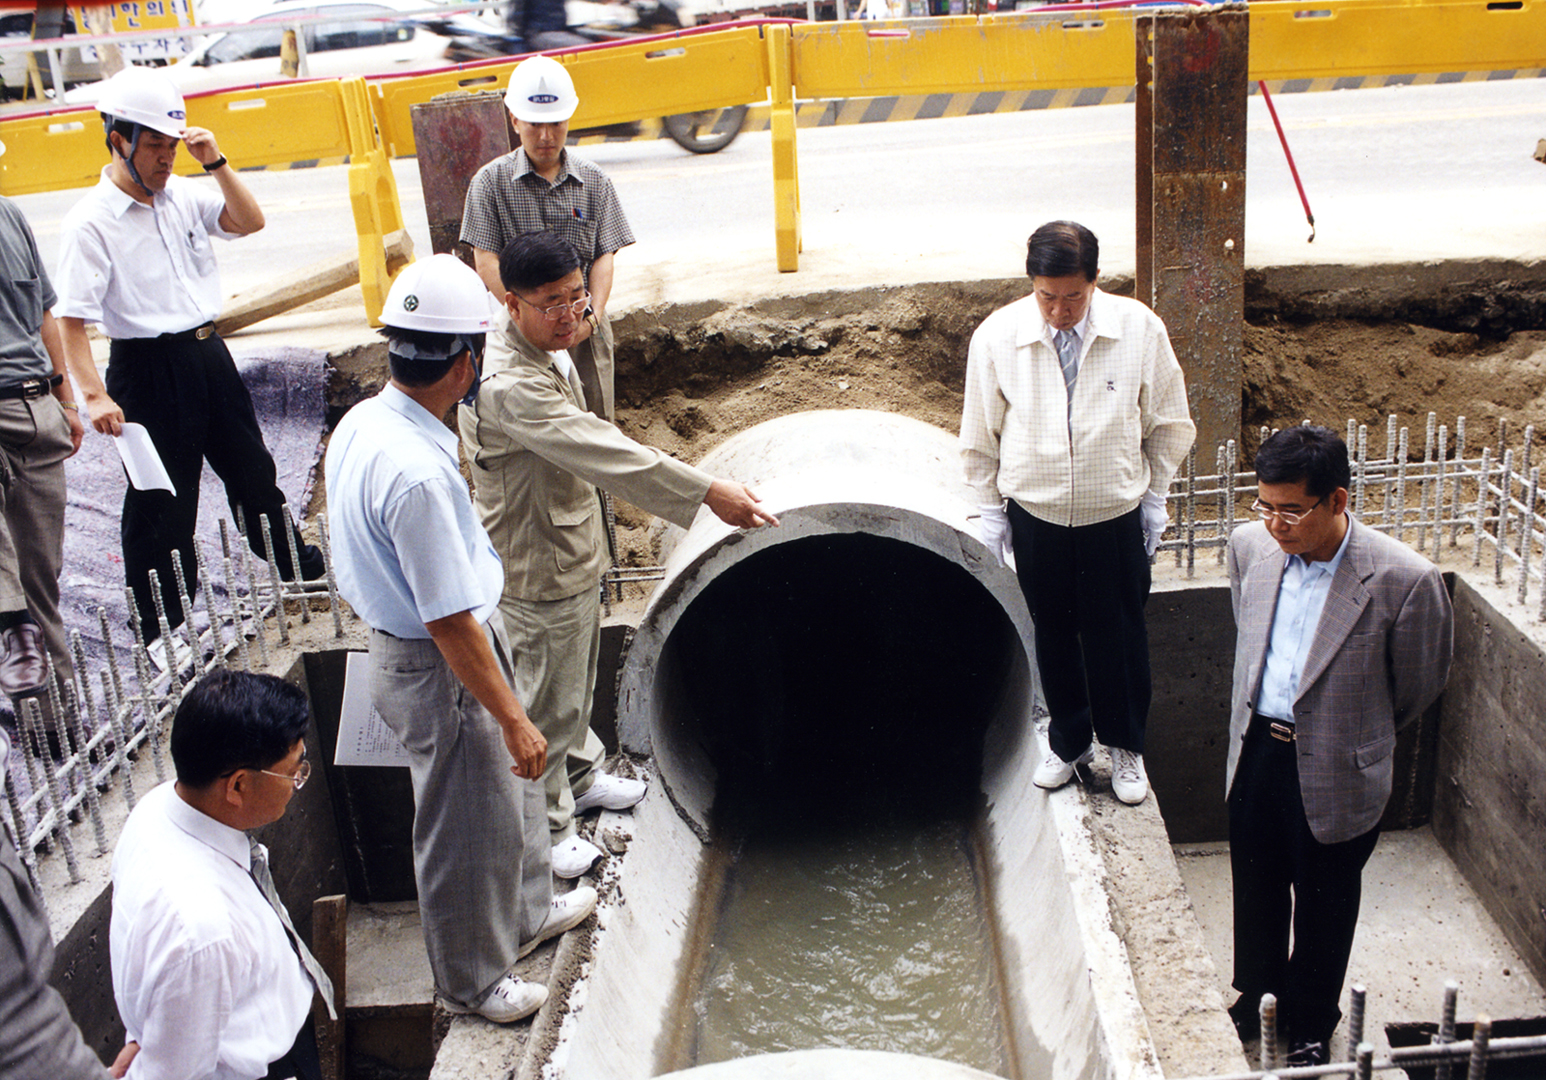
(440, 294)
(541, 92)
(145, 97)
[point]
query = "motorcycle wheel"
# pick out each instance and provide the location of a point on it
(707, 131)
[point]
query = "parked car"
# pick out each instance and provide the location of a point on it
(375, 38)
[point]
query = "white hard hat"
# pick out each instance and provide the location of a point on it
(541, 91)
(440, 294)
(147, 97)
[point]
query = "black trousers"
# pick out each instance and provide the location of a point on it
(1284, 877)
(302, 1061)
(189, 397)
(1086, 587)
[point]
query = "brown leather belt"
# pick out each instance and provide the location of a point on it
(198, 333)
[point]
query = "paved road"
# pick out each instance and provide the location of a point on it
(1392, 174)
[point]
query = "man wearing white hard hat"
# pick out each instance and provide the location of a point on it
(541, 187)
(39, 428)
(135, 256)
(417, 566)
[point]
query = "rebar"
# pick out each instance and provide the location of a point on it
(332, 579)
(1481, 505)
(295, 560)
(1527, 533)
(1505, 504)
(216, 637)
(1270, 1058)
(55, 794)
(1357, 998)
(1481, 1035)
(281, 616)
(1446, 1032)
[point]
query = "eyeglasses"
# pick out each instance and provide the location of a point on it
(298, 778)
(1284, 516)
(556, 312)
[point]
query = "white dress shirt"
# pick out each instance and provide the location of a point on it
(204, 975)
(407, 544)
(1301, 599)
(142, 271)
(1083, 460)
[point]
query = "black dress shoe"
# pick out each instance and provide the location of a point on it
(1247, 1019)
(1302, 1054)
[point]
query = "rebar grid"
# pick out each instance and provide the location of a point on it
(74, 741)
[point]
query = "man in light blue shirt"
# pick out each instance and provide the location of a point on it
(414, 562)
(1344, 635)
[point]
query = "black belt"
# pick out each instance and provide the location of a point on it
(28, 389)
(198, 333)
(1280, 730)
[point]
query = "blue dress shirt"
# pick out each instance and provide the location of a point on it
(408, 547)
(1301, 598)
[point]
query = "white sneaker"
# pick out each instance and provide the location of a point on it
(1054, 772)
(569, 910)
(511, 999)
(609, 792)
(1128, 780)
(573, 857)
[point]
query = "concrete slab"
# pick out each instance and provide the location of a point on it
(1420, 924)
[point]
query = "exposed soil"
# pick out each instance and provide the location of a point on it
(687, 387)
(689, 377)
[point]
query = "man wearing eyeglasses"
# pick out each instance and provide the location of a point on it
(1344, 636)
(208, 974)
(538, 457)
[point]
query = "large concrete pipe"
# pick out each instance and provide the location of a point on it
(870, 635)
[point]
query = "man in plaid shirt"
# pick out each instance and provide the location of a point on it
(1074, 422)
(540, 187)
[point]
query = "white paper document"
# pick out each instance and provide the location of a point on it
(141, 461)
(363, 737)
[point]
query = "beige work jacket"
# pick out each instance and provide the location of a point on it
(537, 459)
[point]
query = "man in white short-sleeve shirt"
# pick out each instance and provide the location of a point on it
(136, 257)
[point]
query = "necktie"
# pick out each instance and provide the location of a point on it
(1068, 357)
(265, 881)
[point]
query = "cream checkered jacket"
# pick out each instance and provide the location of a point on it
(1130, 423)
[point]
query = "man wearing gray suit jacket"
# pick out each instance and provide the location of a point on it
(1343, 636)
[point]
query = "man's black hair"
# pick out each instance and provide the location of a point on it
(1315, 455)
(1062, 249)
(125, 128)
(536, 259)
(235, 720)
(415, 372)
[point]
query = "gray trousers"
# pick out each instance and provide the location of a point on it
(34, 442)
(480, 853)
(555, 645)
(38, 1039)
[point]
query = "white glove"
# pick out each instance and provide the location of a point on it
(1155, 518)
(993, 531)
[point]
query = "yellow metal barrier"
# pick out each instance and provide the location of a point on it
(256, 126)
(1019, 53)
(1321, 38)
(372, 196)
(661, 76)
(786, 172)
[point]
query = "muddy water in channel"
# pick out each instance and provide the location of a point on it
(869, 935)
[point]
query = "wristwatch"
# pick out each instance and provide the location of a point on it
(595, 323)
(218, 163)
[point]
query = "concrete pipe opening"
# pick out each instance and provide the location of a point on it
(868, 638)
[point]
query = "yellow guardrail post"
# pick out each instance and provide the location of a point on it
(786, 172)
(372, 196)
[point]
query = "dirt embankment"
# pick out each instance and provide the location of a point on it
(686, 385)
(1398, 340)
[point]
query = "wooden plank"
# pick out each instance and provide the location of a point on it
(313, 282)
(329, 936)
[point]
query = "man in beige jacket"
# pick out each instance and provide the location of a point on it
(538, 457)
